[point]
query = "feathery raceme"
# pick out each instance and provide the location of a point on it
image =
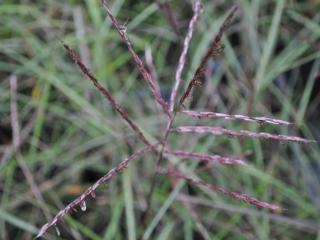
(241, 133)
(106, 93)
(143, 71)
(205, 157)
(239, 196)
(90, 191)
(183, 56)
(213, 50)
(260, 120)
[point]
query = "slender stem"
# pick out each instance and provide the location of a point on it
(86, 71)
(160, 156)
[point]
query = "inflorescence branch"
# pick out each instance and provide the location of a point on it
(239, 196)
(260, 120)
(91, 190)
(242, 133)
(213, 50)
(143, 71)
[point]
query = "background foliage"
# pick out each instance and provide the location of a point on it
(269, 67)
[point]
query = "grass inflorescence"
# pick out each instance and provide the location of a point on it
(199, 109)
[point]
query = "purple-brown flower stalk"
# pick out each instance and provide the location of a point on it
(239, 196)
(260, 120)
(213, 50)
(241, 133)
(91, 190)
(183, 56)
(86, 71)
(205, 157)
(143, 71)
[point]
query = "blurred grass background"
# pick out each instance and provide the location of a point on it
(71, 135)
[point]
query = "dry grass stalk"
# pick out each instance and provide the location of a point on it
(24, 134)
(308, 226)
(197, 219)
(16, 142)
(165, 7)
